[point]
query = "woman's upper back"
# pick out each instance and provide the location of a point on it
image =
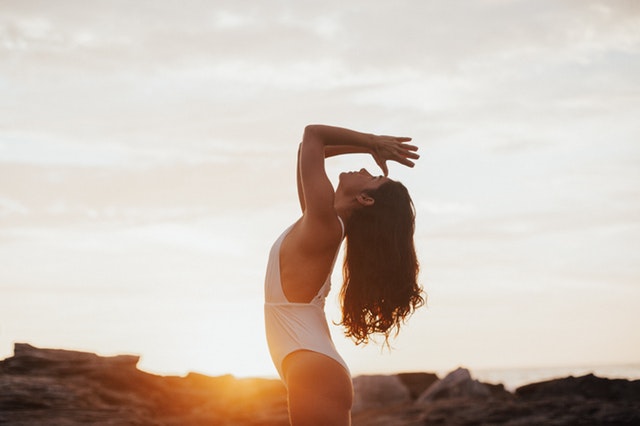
(307, 255)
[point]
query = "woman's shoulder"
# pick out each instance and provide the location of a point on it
(317, 234)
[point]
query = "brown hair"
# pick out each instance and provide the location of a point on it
(380, 270)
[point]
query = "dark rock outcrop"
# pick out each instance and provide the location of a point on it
(378, 391)
(47, 386)
(588, 386)
(417, 383)
(58, 387)
(459, 384)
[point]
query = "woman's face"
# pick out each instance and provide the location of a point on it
(357, 182)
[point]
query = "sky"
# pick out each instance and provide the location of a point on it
(147, 164)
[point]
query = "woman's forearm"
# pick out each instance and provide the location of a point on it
(333, 150)
(327, 141)
(338, 140)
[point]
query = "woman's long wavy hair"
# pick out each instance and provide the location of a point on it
(380, 270)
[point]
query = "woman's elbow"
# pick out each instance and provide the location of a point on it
(311, 131)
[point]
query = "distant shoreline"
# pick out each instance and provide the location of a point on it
(513, 378)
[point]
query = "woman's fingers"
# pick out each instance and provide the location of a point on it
(402, 138)
(410, 154)
(383, 165)
(406, 162)
(384, 168)
(395, 149)
(408, 151)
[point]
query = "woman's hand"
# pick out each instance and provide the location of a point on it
(338, 140)
(385, 148)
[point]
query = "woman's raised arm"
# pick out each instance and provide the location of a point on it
(320, 141)
(382, 148)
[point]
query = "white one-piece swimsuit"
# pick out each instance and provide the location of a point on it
(293, 326)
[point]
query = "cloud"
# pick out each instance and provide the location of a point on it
(10, 207)
(162, 72)
(407, 33)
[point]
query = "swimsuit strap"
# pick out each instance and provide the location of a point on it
(341, 226)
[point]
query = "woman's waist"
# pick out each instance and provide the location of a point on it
(316, 304)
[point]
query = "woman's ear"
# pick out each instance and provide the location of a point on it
(365, 200)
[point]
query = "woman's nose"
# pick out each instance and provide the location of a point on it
(363, 170)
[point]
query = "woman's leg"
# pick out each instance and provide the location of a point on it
(319, 390)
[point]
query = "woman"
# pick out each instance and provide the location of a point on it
(380, 291)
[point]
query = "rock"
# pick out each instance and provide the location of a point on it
(457, 384)
(560, 411)
(588, 386)
(47, 386)
(60, 362)
(378, 391)
(417, 383)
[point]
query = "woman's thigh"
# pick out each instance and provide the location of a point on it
(319, 390)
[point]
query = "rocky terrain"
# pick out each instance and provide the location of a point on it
(58, 387)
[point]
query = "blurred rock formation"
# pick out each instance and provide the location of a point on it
(60, 387)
